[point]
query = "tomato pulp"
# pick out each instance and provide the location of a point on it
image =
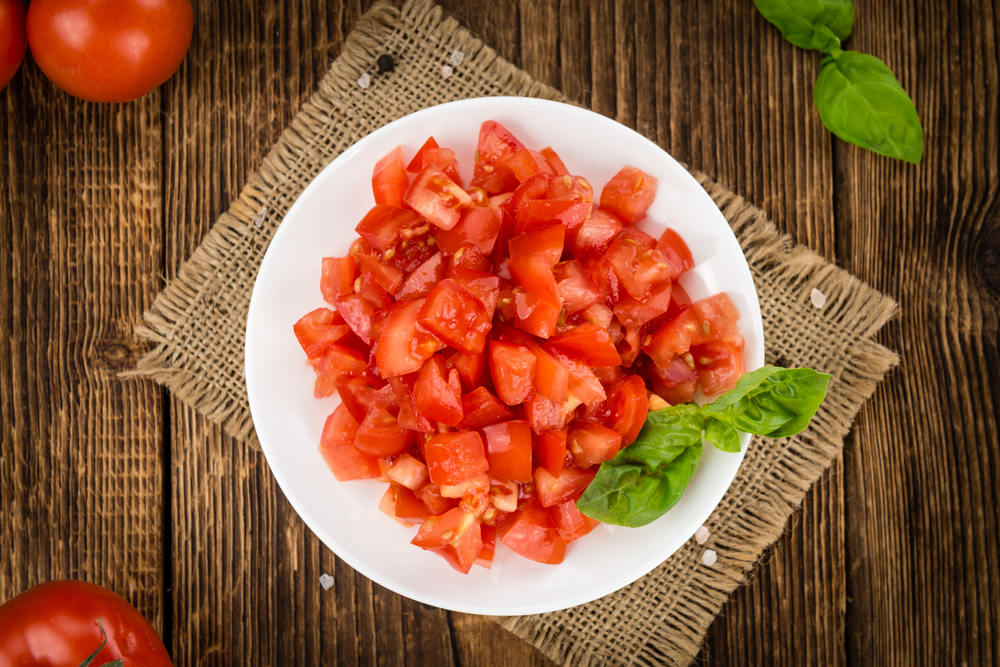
(494, 345)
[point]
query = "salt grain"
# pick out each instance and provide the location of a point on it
(365, 80)
(446, 71)
(701, 535)
(244, 372)
(818, 298)
(260, 217)
(456, 58)
(709, 557)
(326, 581)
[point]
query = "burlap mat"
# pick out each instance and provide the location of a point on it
(197, 326)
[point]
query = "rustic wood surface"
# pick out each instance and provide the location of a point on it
(894, 557)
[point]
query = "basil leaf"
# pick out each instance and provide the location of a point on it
(722, 435)
(800, 20)
(648, 477)
(771, 401)
(860, 100)
(826, 42)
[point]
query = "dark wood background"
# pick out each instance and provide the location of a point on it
(894, 557)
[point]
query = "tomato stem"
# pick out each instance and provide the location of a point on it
(93, 656)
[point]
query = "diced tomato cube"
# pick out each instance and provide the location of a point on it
(409, 507)
(577, 290)
(637, 265)
(455, 316)
(504, 494)
(710, 319)
(442, 158)
(550, 450)
(512, 368)
(583, 384)
(571, 188)
(404, 387)
(554, 161)
(719, 364)
(532, 256)
(389, 180)
(508, 449)
(403, 347)
(361, 392)
(357, 313)
(438, 392)
(525, 163)
(409, 472)
(545, 415)
(551, 376)
(369, 289)
(383, 226)
(570, 522)
(455, 535)
(488, 534)
(338, 450)
(598, 314)
(626, 408)
(420, 282)
(473, 369)
(538, 213)
(484, 286)
(591, 444)
(316, 331)
(533, 536)
(589, 343)
(381, 435)
(475, 485)
(477, 226)
(495, 147)
(594, 234)
(569, 484)
(481, 408)
(437, 198)
(629, 194)
(337, 278)
(535, 316)
(635, 313)
(435, 502)
(388, 277)
(336, 361)
(675, 249)
(452, 458)
(387, 505)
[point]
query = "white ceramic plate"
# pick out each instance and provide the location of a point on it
(289, 419)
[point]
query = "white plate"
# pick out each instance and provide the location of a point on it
(289, 419)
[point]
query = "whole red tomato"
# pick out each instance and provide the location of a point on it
(12, 40)
(109, 50)
(55, 624)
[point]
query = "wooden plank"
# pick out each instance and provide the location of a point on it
(81, 469)
(923, 511)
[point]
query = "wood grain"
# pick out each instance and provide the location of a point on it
(893, 558)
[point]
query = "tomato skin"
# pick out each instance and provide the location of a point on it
(710, 319)
(13, 41)
(78, 44)
(402, 346)
(438, 392)
(437, 198)
(533, 536)
(338, 450)
(381, 435)
(512, 368)
(629, 194)
(588, 342)
(675, 249)
(550, 450)
(496, 145)
(508, 449)
(456, 317)
(476, 226)
(453, 458)
(317, 330)
(455, 535)
(570, 522)
(591, 444)
(554, 489)
(389, 180)
(719, 364)
(626, 408)
(337, 278)
(555, 161)
(481, 408)
(420, 282)
(55, 624)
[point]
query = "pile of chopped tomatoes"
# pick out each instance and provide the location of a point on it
(492, 345)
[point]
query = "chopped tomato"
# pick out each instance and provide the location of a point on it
(455, 535)
(591, 444)
(385, 227)
(571, 188)
(710, 319)
(442, 158)
(554, 489)
(594, 234)
(719, 364)
(473, 369)
(535, 316)
(437, 198)
(533, 536)
(337, 361)
(532, 256)
(633, 313)
(408, 506)
(496, 146)
(420, 282)
(538, 213)
(409, 472)
(403, 347)
(675, 249)
(554, 161)
(508, 449)
(484, 286)
(357, 313)
(512, 368)
(489, 535)
(338, 450)
(452, 458)
(438, 392)
(546, 415)
(455, 316)
(481, 408)
(431, 496)
(477, 227)
(629, 194)
(626, 408)
(404, 388)
(588, 342)
(316, 331)
(577, 290)
(389, 278)
(570, 522)
(637, 265)
(389, 180)
(360, 393)
(525, 163)
(550, 450)
(337, 278)
(380, 434)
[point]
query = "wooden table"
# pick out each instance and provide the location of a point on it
(894, 557)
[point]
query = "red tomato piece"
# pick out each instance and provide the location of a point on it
(676, 383)
(484, 286)
(420, 282)
(583, 384)
(357, 313)
(591, 444)
(389, 278)
(369, 289)
(438, 392)
(442, 158)
(473, 369)
(337, 278)
(570, 522)
(496, 145)
(603, 274)
(569, 484)
(404, 386)
(629, 194)
(437, 198)
(456, 317)
(317, 330)
(532, 535)
(551, 376)
(538, 213)
(453, 458)
(385, 227)
(477, 227)
(389, 181)
(435, 502)
(404, 347)
(626, 408)
(481, 408)
(525, 163)
(409, 472)
(571, 188)
(637, 265)
(489, 535)
(710, 319)
(455, 535)
(532, 256)
(508, 449)
(576, 289)
(338, 450)
(336, 362)
(468, 257)
(555, 162)
(594, 234)
(719, 364)
(550, 450)
(590, 343)
(675, 249)
(409, 507)
(634, 313)
(545, 415)
(381, 435)
(360, 393)
(512, 368)
(679, 300)
(535, 316)
(630, 346)
(12, 35)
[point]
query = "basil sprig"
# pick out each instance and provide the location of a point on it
(857, 96)
(648, 477)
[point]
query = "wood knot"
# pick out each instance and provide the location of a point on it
(989, 259)
(117, 356)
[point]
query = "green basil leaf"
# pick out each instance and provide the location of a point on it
(799, 20)
(776, 402)
(825, 41)
(722, 435)
(860, 100)
(648, 477)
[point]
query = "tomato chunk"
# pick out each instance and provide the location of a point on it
(554, 161)
(508, 449)
(539, 213)
(634, 313)
(388, 277)
(455, 316)
(626, 408)
(404, 386)
(629, 194)
(546, 415)
(525, 163)
(409, 472)
(477, 227)
(550, 450)
(588, 342)
(385, 226)
(316, 332)
(408, 506)
(637, 265)
(420, 282)
(442, 158)
(389, 180)
(568, 484)
(437, 198)
(591, 444)
(570, 522)
(710, 319)
(512, 368)
(337, 278)
(473, 369)
(496, 146)
(577, 290)
(532, 256)
(534, 315)
(403, 347)
(336, 362)
(438, 392)
(380, 434)
(481, 408)
(675, 249)
(719, 364)
(533, 536)
(452, 458)
(455, 535)
(338, 450)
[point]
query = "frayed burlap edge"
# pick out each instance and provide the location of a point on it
(667, 612)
